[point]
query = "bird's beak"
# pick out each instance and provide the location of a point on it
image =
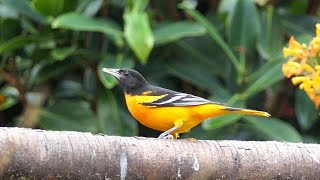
(113, 72)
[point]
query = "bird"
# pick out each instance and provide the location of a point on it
(165, 110)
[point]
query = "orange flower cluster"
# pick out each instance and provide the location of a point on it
(304, 66)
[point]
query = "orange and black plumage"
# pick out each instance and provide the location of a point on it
(165, 110)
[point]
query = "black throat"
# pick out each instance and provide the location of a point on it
(135, 84)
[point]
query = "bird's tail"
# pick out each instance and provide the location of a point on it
(233, 110)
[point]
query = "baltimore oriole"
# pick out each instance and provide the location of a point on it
(165, 110)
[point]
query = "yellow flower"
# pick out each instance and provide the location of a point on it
(291, 68)
(318, 30)
(307, 69)
(315, 43)
(299, 79)
(310, 84)
(316, 82)
(294, 49)
(315, 46)
(303, 67)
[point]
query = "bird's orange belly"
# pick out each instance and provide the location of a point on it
(163, 118)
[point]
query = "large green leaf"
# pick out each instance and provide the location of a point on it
(137, 31)
(79, 22)
(129, 125)
(90, 81)
(298, 7)
(54, 7)
(306, 112)
(25, 8)
(16, 43)
(203, 53)
(108, 113)
(244, 27)
(221, 121)
(70, 89)
(299, 25)
(62, 53)
(89, 7)
(214, 35)
(110, 61)
(68, 115)
(272, 39)
(226, 9)
(193, 72)
(112, 118)
(275, 129)
(9, 28)
(7, 12)
(269, 74)
(173, 31)
(43, 72)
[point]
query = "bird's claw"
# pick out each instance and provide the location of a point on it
(165, 136)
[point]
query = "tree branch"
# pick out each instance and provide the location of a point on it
(38, 154)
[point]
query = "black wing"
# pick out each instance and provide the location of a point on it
(174, 98)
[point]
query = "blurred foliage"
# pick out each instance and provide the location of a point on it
(52, 52)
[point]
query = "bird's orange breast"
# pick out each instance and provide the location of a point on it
(163, 118)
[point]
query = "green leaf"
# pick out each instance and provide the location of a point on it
(9, 28)
(70, 89)
(8, 97)
(112, 62)
(272, 40)
(113, 119)
(44, 72)
(136, 6)
(299, 25)
(54, 7)
(306, 112)
(226, 8)
(68, 115)
(108, 113)
(201, 49)
(275, 129)
(90, 81)
(138, 33)
(89, 7)
(298, 7)
(244, 27)
(215, 36)
(16, 43)
(62, 53)
(221, 121)
(193, 72)
(8, 12)
(129, 125)
(174, 31)
(25, 8)
(79, 22)
(269, 74)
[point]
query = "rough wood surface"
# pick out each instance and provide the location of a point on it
(38, 154)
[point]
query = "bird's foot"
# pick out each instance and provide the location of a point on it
(165, 136)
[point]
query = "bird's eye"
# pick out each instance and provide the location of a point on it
(126, 74)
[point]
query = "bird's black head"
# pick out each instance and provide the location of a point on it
(130, 81)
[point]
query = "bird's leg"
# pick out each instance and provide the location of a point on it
(167, 134)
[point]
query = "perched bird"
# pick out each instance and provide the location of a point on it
(165, 110)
